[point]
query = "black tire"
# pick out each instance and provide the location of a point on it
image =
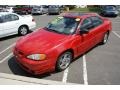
(60, 61)
(23, 30)
(105, 39)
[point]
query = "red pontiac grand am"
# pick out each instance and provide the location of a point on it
(63, 39)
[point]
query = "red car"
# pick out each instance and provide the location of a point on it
(63, 39)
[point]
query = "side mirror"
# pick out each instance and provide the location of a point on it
(84, 31)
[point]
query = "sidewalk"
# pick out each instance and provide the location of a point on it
(9, 79)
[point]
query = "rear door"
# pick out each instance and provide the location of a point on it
(99, 28)
(11, 22)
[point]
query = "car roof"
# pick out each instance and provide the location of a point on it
(79, 14)
(5, 13)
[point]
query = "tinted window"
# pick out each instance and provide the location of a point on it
(7, 18)
(86, 22)
(1, 20)
(14, 17)
(10, 17)
(96, 21)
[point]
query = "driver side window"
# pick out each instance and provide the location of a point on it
(86, 24)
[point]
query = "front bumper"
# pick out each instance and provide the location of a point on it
(53, 11)
(34, 67)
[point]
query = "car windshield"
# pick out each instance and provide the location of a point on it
(110, 8)
(63, 25)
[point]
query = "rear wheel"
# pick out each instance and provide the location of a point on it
(23, 30)
(64, 61)
(105, 38)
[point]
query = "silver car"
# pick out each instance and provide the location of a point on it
(39, 9)
(54, 9)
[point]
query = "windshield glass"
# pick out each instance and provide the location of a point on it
(110, 8)
(64, 25)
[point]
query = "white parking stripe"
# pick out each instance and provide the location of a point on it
(65, 75)
(7, 48)
(116, 34)
(10, 55)
(85, 77)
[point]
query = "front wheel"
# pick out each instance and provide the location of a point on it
(64, 61)
(23, 30)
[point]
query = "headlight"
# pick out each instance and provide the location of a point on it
(37, 56)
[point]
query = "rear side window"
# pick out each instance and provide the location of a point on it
(96, 21)
(1, 20)
(10, 17)
(7, 18)
(14, 17)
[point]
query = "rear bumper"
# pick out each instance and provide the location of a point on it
(32, 26)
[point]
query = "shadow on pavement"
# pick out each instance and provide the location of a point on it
(8, 37)
(17, 70)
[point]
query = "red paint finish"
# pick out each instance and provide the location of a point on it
(53, 44)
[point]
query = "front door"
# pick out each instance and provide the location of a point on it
(87, 40)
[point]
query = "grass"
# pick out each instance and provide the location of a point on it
(88, 9)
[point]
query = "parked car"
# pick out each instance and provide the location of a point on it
(11, 23)
(39, 9)
(9, 9)
(118, 8)
(2, 10)
(62, 40)
(54, 9)
(24, 9)
(109, 11)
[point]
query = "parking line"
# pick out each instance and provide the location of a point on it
(6, 57)
(65, 75)
(85, 77)
(116, 34)
(7, 48)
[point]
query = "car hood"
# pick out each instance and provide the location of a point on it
(40, 41)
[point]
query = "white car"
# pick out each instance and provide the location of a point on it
(9, 9)
(11, 23)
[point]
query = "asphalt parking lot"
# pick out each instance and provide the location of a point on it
(99, 66)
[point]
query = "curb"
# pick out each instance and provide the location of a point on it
(13, 79)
